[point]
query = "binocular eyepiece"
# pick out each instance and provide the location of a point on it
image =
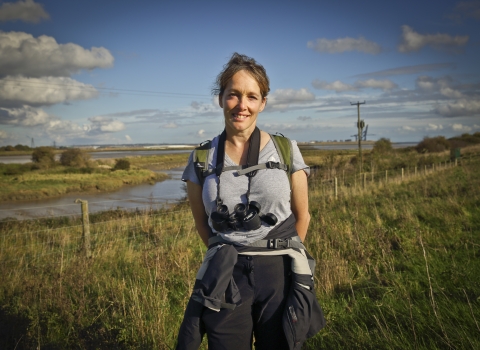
(247, 216)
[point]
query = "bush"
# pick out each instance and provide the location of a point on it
(44, 157)
(9, 148)
(21, 147)
(433, 144)
(382, 146)
(75, 157)
(122, 164)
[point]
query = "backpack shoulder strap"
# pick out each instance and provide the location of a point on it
(200, 159)
(284, 149)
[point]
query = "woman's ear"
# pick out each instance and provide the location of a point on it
(220, 103)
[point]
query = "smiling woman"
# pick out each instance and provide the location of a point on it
(252, 221)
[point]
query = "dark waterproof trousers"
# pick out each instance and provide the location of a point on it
(264, 283)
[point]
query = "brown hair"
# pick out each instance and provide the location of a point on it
(237, 63)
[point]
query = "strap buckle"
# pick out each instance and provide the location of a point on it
(278, 243)
(272, 165)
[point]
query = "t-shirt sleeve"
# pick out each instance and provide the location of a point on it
(298, 162)
(189, 173)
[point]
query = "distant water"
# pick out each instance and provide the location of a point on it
(139, 197)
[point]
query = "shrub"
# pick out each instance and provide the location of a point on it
(44, 157)
(122, 164)
(433, 144)
(75, 157)
(9, 148)
(21, 147)
(382, 146)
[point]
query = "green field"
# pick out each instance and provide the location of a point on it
(397, 267)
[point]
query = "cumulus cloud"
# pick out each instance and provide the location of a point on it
(22, 54)
(282, 98)
(24, 116)
(19, 91)
(407, 128)
(102, 124)
(460, 128)
(413, 41)
(26, 11)
(376, 84)
(460, 108)
(171, 125)
(201, 133)
(128, 138)
(434, 127)
(336, 86)
(4, 135)
(344, 45)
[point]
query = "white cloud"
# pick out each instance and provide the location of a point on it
(15, 92)
(4, 135)
(201, 133)
(336, 86)
(171, 125)
(101, 124)
(27, 11)
(461, 128)
(460, 108)
(345, 44)
(407, 128)
(376, 84)
(24, 116)
(434, 127)
(128, 138)
(413, 41)
(22, 54)
(282, 98)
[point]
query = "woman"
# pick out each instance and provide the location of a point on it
(242, 214)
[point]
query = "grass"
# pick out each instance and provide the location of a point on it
(61, 180)
(397, 268)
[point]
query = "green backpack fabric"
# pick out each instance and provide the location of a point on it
(282, 144)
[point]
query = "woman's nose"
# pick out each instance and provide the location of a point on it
(242, 102)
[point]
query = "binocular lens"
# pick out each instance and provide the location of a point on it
(270, 219)
(252, 221)
(240, 210)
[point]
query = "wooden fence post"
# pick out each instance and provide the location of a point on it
(364, 180)
(402, 173)
(336, 188)
(86, 228)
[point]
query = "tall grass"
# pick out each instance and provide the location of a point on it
(397, 268)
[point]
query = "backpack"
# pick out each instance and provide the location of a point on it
(282, 145)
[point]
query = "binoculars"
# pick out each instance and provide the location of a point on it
(246, 216)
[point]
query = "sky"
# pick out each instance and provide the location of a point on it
(131, 72)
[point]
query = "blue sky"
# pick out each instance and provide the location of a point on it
(97, 72)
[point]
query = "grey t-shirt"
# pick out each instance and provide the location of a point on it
(269, 187)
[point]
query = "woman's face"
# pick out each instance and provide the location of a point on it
(241, 102)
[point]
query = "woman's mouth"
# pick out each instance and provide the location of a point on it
(239, 116)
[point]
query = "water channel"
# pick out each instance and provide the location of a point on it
(141, 197)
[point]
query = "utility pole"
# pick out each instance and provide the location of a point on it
(360, 126)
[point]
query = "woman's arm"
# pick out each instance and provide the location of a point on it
(299, 202)
(194, 193)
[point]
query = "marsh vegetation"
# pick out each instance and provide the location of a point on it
(397, 265)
